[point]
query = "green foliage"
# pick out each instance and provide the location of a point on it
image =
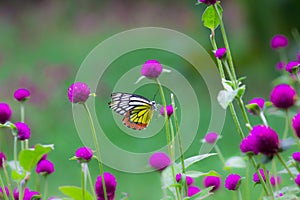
(210, 17)
(75, 192)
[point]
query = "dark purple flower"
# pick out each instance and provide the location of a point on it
(6, 191)
(232, 181)
(209, 2)
(260, 102)
(22, 94)
(247, 145)
(279, 41)
(192, 190)
(219, 53)
(256, 178)
(159, 161)
(291, 65)
(296, 156)
(214, 181)
(45, 167)
(296, 124)
(280, 65)
(297, 180)
(275, 180)
(169, 109)
(27, 194)
(78, 92)
(265, 140)
(151, 69)
(110, 184)
(23, 130)
(211, 137)
(2, 159)
(283, 96)
(189, 180)
(5, 112)
(84, 154)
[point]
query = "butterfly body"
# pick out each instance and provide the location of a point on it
(136, 109)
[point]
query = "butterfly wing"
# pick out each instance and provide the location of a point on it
(137, 110)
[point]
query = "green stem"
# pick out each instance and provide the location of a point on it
(269, 184)
(236, 121)
(83, 180)
(225, 64)
(286, 128)
(91, 182)
(262, 182)
(3, 188)
(240, 194)
(263, 118)
(244, 112)
(247, 181)
(220, 155)
(285, 166)
(219, 63)
(97, 148)
(275, 174)
(16, 151)
(45, 187)
(22, 111)
(7, 177)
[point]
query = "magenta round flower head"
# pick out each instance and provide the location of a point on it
(214, 181)
(110, 184)
(2, 159)
(297, 180)
(5, 112)
(21, 94)
(255, 110)
(219, 53)
(23, 130)
(298, 57)
(247, 145)
(211, 137)
(169, 109)
(27, 194)
(280, 65)
(232, 181)
(296, 156)
(283, 96)
(192, 190)
(209, 2)
(189, 180)
(275, 180)
(291, 66)
(84, 154)
(6, 191)
(78, 92)
(45, 167)
(151, 69)
(159, 161)
(296, 124)
(256, 177)
(279, 41)
(265, 140)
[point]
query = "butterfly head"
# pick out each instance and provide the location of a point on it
(153, 105)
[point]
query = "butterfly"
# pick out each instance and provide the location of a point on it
(136, 109)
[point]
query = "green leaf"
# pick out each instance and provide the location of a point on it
(226, 97)
(29, 157)
(235, 162)
(196, 174)
(241, 91)
(190, 161)
(18, 176)
(75, 192)
(210, 17)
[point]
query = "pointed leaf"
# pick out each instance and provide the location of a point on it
(75, 192)
(196, 174)
(210, 17)
(226, 97)
(235, 162)
(190, 161)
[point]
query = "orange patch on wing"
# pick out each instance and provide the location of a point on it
(135, 126)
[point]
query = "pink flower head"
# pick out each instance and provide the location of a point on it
(296, 124)
(21, 94)
(78, 92)
(280, 65)
(2, 159)
(169, 109)
(189, 180)
(45, 167)
(6, 191)
(214, 181)
(275, 180)
(5, 113)
(219, 53)
(151, 69)
(291, 66)
(192, 190)
(279, 41)
(297, 180)
(260, 102)
(110, 185)
(256, 177)
(296, 156)
(283, 96)
(84, 154)
(23, 130)
(159, 161)
(209, 2)
(211, 137)
(27, 194)
(247, 145)
(232, 181)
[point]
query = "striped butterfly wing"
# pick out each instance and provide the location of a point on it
(137, 110)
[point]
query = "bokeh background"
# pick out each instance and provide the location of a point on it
(43, 43)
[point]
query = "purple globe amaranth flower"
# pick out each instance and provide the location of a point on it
(84, 154)
(214, 181)
(291, 66)
(159, 161)
(296, 124)
(192, 190)
(45, 167)
(2, 159)
(209, 2)
(169, 109)
(211, 137)
(232, 181)
(283, 96)
(78, 92)
(189, 180)
(297, 180)
(265, 140)
(279, 41)
(5, 113)
(247, 145)
(110, 184)
(21, 94)
(151, 69)
(260, 102)
(280, 65)
(6, 191)
(256, 177)
(23, 130)
(275, 180)
(296, 156)
(27, 194)
(219, 53)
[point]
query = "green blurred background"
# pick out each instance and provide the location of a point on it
(43, 43)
